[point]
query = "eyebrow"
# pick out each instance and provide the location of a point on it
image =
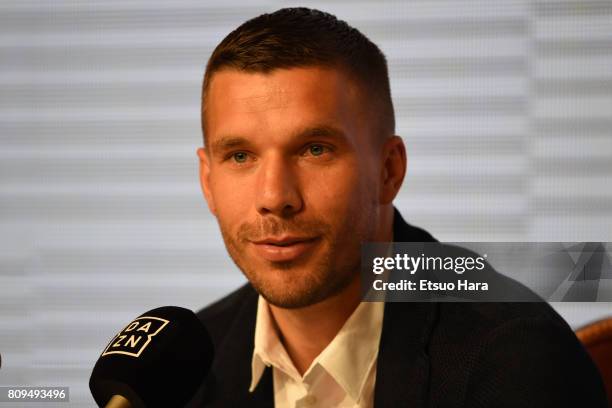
(320, 131)
(228, 142)
(326, 131)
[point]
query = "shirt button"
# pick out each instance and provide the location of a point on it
(310, 400)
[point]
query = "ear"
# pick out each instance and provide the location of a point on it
(205, 179)
(393, 170)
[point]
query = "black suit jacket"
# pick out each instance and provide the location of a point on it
(430, 354)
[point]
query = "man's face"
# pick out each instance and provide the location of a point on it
(292, 174)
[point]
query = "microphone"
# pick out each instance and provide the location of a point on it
(158, 360)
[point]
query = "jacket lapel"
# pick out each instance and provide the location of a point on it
(402, 369)
(232, 365)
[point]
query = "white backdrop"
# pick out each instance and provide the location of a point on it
(505, 107)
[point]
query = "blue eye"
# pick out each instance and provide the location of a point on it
(240, 157)
(316, 150)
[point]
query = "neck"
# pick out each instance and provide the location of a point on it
(306, 332)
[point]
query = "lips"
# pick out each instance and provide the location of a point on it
(284, 249)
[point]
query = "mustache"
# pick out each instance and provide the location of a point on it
(267, 227)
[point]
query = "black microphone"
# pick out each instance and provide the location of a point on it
(158, 360)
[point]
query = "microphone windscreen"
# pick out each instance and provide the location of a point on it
(158, 360)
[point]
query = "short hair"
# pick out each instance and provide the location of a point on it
(303, 37)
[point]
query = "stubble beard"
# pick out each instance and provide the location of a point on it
(297, 284)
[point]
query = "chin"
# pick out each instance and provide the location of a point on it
(290, 288)
(299, 287)
(290, 299)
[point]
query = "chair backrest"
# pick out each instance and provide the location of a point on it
(597, 339)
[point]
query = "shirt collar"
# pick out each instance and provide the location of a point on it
(348, 358)
(268, 348)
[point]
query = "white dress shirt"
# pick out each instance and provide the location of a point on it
(343, 375)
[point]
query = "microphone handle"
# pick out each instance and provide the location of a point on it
(118, 402)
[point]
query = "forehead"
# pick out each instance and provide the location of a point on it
(239, 101)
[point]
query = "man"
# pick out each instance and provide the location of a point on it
(300, 167)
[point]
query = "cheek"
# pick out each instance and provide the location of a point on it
(231, 199)
(335, 189)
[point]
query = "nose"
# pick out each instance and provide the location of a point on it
(278, 190)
